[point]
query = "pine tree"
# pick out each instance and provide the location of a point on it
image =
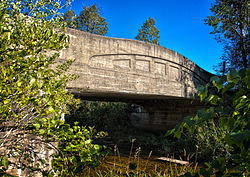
(148, 32)
(69, 18)
(90, 20)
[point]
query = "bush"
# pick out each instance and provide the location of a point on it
(76, 151)
(33, 95)
(105, 116)
(223, 129)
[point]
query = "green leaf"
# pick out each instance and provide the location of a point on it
(233, 77)
(189, 121)
(240, 136)
(219, 164)
(19, 83)
(51, 109)
(41, 131)
(37, 126)
(203, 114)
(202, 92)
(6, 101)
(217, 82)
(32, 81)
(5, 162)
(213, 99)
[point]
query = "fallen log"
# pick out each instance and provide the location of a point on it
(173, 160)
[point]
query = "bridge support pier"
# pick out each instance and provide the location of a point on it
(164, 115)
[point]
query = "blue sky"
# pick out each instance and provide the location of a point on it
(181, 25)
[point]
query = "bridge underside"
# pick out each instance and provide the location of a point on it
(158, 113)
(100, 95)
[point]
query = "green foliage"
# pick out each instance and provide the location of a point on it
(90, 20)
(4, 163)
(227, 121)
(69, 18)
(105, 116)
(28, 85)
(230, 22)
(148, 32)
(76, 151)
(33, 90)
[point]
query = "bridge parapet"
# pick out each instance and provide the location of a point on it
(110, 65)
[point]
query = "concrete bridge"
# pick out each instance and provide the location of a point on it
(162, 81)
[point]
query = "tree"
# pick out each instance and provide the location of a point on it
(69, 18)
(33, 95)
(230, 22)
(148, 32)
(90, 20)
(231, 59)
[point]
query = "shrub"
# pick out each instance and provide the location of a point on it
(105, 116)
(224, 125)
(33, 91)
(76, 151)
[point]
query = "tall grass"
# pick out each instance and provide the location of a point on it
(135, 165)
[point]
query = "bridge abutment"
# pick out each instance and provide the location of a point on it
(164, 115)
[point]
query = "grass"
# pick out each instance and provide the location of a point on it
(136, 165)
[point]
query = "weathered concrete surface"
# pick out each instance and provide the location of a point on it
(130, 70)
